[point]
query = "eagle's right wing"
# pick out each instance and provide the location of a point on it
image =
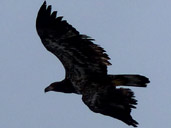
(116, 103)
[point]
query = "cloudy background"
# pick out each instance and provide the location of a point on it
(135, 33)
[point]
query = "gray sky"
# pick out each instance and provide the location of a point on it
(135, 33)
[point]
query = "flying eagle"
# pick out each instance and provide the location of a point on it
(85, 65)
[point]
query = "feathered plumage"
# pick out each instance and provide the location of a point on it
(86, 64)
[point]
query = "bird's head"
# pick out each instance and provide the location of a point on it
(56, 86)
(62, 86)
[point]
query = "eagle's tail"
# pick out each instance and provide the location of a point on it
(129, 80)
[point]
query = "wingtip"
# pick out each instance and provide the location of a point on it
(44, 3)
(49, 8)
(43, 6)
(134, 123)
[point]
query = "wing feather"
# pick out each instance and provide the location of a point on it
(79, 55)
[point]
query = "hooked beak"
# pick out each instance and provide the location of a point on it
(46, 90)
(49, 88)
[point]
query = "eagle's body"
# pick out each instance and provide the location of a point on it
(86, 64)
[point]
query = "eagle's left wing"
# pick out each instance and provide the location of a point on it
(79, 55)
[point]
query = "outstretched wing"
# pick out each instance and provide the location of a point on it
(116, 103)
(79, 55)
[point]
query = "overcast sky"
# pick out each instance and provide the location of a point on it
(135, 33)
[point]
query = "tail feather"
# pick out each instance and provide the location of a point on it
(129, 80)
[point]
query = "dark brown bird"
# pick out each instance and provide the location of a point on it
(85, 65)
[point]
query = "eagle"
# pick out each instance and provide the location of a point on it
(85, 66)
